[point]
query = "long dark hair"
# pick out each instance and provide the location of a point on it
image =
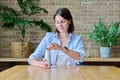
(65, 13)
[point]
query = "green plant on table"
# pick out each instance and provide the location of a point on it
(12, 18)
(105, 36)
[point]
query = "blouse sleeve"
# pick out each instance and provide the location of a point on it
(80, 48)
(40, 50)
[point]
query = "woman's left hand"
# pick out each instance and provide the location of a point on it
(54, 46)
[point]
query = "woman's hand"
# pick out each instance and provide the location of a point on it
(43, 63)
(54, 46)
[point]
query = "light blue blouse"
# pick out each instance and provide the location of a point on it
(75, 43)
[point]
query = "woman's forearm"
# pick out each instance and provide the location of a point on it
(73, 54)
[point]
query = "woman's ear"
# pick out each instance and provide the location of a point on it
(70, 21)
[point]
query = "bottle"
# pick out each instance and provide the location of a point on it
(48, 57)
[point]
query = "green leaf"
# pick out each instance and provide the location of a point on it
(11, 18)
(104, 36)
(30, 7)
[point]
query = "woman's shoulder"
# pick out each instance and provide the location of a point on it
(50, 34)
(76, 35)
(76, 38)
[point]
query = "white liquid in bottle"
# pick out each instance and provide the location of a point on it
(48, 57)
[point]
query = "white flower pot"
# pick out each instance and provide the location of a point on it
(105, 52)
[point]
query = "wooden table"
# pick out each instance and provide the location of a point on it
(86, 59)
(26, 72)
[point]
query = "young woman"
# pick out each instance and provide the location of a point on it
(66, 48)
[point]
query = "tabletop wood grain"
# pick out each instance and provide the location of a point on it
(26, 72)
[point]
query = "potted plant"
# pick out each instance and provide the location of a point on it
(105, 36)
(12, 18)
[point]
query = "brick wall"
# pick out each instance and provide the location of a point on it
(85, 14)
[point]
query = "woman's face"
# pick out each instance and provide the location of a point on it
(62, 24)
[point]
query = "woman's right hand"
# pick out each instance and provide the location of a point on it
(43, 63)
